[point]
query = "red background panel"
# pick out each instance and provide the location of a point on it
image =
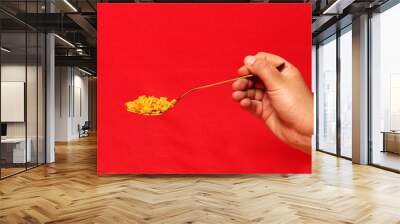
(165, 49)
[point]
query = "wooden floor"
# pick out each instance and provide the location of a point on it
(5, 172)
(70, 191)
(387, 159)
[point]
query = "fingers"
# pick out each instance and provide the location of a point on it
(246, 102)
(239, 95)
(253, 94)
(275, 60)
(246, 88)
(265, 70)
(242, 71)
(242, 84)
(254, 106)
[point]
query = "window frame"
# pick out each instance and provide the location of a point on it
(381, 9)
(337, 34)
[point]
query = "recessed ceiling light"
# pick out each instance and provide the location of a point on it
(65, 41)
(5, 50)
(84, 71)
(337, 7)
(70, 5)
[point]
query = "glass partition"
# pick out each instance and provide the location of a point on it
(14, 153)
(22, 101)
(327, 95)
(31, 100)
(41, 96)
(34, 51)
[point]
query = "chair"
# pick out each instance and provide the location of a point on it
(84, 130)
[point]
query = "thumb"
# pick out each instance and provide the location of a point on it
(269, 75)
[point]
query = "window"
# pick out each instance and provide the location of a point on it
(346, 92)
(385, 89)
(327, 95)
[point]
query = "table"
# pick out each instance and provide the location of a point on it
(13, 150)
(391, 141)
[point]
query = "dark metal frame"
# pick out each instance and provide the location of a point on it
(26, 88)
(340, 32)
(316, 97)
(338, 98)
(316, 102)
(0, 89)
(369, 90)
(45, 89)
(338, 152)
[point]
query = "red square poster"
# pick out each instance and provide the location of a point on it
(166, 49)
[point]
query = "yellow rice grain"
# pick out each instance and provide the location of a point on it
(149, 105)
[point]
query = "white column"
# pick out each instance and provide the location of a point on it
(50, 99)
(63, 99)
(50, 92)
(360, 90)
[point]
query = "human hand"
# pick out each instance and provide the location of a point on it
(279, 96)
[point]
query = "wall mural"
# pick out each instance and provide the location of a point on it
(151, 55)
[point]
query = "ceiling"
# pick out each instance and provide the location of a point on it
(76, 22)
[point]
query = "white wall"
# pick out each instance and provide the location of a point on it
(62, 77)
(33, 127)
(9, 73)
(81, 85)
(71, 102)
(92, 92)
(16, 72)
